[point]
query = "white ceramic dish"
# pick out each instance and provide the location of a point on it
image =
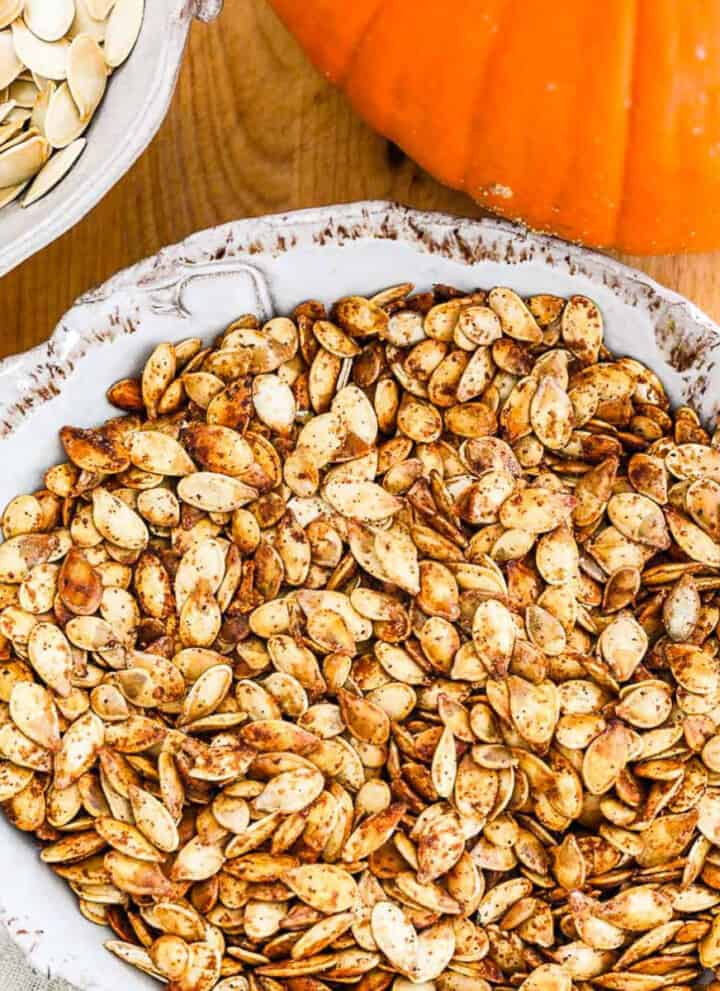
(197, 288)
(133, 109)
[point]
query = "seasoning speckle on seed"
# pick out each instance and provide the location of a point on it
(377, 645)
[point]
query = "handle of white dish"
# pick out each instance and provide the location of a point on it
(200, 291)
(207, 10)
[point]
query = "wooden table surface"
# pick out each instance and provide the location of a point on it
(253, 129)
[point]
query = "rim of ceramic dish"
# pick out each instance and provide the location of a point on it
(150, 115)
(465, 240)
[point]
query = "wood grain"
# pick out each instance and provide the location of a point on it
(253, 129)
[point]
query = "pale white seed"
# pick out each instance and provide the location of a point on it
(49, 20)
(54, 171)
(86, 74)
(47, 58)
(123, 30)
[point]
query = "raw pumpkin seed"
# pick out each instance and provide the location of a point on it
(56, 57)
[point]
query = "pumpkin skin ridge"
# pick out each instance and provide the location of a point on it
(371, 92)
(467, 183)
(301, 19)
(652, 185)
(688, 192)
(629, 134)
(576, 202)
(347, 71)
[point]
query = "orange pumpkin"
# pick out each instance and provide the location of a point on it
(598, 120)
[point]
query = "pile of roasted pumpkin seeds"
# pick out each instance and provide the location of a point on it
(378, 646)
(55, 60)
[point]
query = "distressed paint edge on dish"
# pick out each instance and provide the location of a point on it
(150, 115)
(685, 334)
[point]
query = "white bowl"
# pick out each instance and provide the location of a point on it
(195, 289)
(134, 107)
